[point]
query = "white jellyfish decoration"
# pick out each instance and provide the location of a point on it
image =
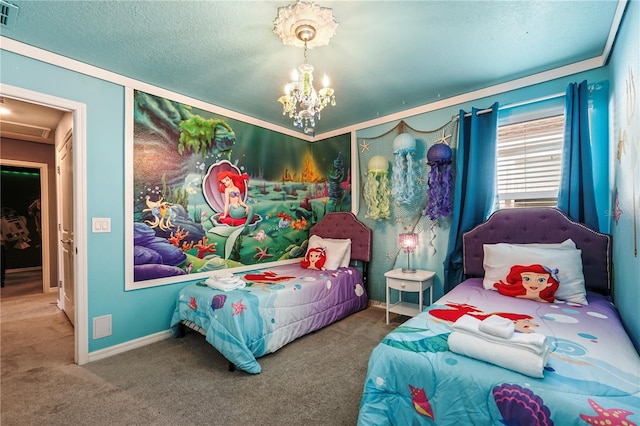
(404, 175)
(376, 188)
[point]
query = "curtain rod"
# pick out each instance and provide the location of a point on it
(517, 104)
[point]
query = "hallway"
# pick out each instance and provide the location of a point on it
(22, 282)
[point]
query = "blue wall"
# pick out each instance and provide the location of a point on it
(434, 120)
(625, 110)
(136, 313)
(143, 312)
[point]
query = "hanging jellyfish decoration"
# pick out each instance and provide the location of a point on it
(376, 188)
(404, 174)
(439, 203)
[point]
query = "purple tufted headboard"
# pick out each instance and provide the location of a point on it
(541, 225)
(346, 225)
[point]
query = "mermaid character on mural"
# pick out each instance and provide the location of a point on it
(225, 189)
(235, 211)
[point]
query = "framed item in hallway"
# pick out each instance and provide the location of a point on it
(210, 192)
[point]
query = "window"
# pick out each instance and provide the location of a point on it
(529, 162)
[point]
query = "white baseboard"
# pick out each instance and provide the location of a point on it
(152, 338)
(377, 304)
(127, 346)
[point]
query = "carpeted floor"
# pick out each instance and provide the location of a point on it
(316, 380)
(21, 282)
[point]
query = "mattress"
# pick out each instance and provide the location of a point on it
(591, 377)
(277, 306)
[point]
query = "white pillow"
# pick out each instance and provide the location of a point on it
(499, 258)
(338, 251)
(566, 244)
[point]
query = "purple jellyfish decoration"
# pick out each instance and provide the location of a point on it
(440, 181)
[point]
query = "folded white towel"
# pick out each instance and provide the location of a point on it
(506, 356)
(497, 326)
(534, 342)
(226, 285)
(225, 276)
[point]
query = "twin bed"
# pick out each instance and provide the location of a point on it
(281, 303)
(587, 371)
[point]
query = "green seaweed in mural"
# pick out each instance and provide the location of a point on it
(336, 175)
(197, 215)
(199, 134)
(172, 196)
(235, 252)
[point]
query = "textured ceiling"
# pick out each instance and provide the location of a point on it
(386, 56)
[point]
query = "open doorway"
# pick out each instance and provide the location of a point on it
(26, 251)
(76, 140)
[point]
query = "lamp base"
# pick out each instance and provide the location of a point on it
(408, 271)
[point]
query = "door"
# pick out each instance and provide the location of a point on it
(66, 246)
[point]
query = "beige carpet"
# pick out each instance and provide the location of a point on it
(316, 380)
(20, 282)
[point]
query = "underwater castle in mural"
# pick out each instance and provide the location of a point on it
(213, 193)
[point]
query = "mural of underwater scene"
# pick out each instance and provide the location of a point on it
(211, 192)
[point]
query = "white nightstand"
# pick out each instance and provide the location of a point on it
(417, 281)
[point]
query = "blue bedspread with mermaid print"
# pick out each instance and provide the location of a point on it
(277, 306)
(591, 377)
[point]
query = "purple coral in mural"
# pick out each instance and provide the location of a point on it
(154, 257)
(520, 406)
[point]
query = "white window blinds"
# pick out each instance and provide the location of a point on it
(529, 162)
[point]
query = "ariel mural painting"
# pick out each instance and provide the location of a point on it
(213, 193)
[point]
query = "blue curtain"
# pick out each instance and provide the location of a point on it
(475, 195)
(599, 124)
(576, 196)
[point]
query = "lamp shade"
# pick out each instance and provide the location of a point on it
(408, 241)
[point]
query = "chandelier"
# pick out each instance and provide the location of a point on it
(305, 25)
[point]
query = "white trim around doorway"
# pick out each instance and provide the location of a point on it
(81, 326)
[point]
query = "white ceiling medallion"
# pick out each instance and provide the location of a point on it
(305, 14)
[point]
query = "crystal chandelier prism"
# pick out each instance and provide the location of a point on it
(305, 25)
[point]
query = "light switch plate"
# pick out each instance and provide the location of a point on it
(100, 224)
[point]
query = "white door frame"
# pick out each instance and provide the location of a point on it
(81, 326)
(44, 215)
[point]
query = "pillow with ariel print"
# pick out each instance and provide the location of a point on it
(315, 258)
(336, 251)
(535, 282)
(563, 258)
